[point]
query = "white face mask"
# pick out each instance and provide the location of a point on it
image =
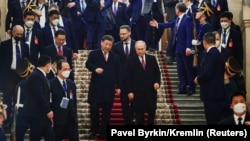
(217, 43)
(239, 108)
(224, 25)
(55, 22)
(66, 74)
(29, 24)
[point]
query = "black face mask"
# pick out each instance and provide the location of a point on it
(17, 38)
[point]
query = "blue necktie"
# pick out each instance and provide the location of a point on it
(27, 34)
(18, 52)
(224, 37)
(176, 28)
(64, 86)
(214, 3)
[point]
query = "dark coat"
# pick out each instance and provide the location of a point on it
(102, 86)
(57, 93)
(6, 57)
(141, 82)
(211, 77)
(230, 120)
(37, 100)
(36, 44)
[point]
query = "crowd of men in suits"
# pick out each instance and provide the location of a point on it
(62, 27)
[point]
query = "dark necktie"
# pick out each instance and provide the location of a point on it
(54, 30)
(143, 63)
(176, 28)
(126, 50)
(27, 34)
(18, 52)
(60, 51)
(239, 121)
(115, 9)
(65, 87)
(224, 36)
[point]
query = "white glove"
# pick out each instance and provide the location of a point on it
(196, 43)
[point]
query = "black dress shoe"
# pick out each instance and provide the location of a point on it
(182, 92)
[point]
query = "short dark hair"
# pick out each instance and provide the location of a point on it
(108, 37)
(53, 6)
(238, 93)
(43, 60)
(29, 13)
(57, 58)
(53, 12)
(127, 27)
(209, 38)
(226, 14)
(181, 7)
(60, 31)
(59, 64)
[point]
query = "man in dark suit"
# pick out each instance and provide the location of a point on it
(211, 80)
(144, 79)
(141, 13)
(49, 31)
(125, 49)
(219, 6)
(68, 26)
(14, 15)
(183, 34)
(59, 49)
(32, 37)
(117, 13)
(240, 114)
(11, 52)
(231, 39)
(37, 102)
(105, 72)
(80, 25)
(96, 19)
(65, 117)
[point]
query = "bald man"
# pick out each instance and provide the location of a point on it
(144, 80)
(11, 51)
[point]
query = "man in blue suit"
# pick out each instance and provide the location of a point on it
(95, 15)
(11, 52)
(211, 80)
(183, 35)
(105, 75)
(65, 117)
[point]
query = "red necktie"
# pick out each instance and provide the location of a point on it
(60, 51)
(143, 63)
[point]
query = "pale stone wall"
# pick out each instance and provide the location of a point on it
(2, 19)
(245, 26)
(235, 6)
